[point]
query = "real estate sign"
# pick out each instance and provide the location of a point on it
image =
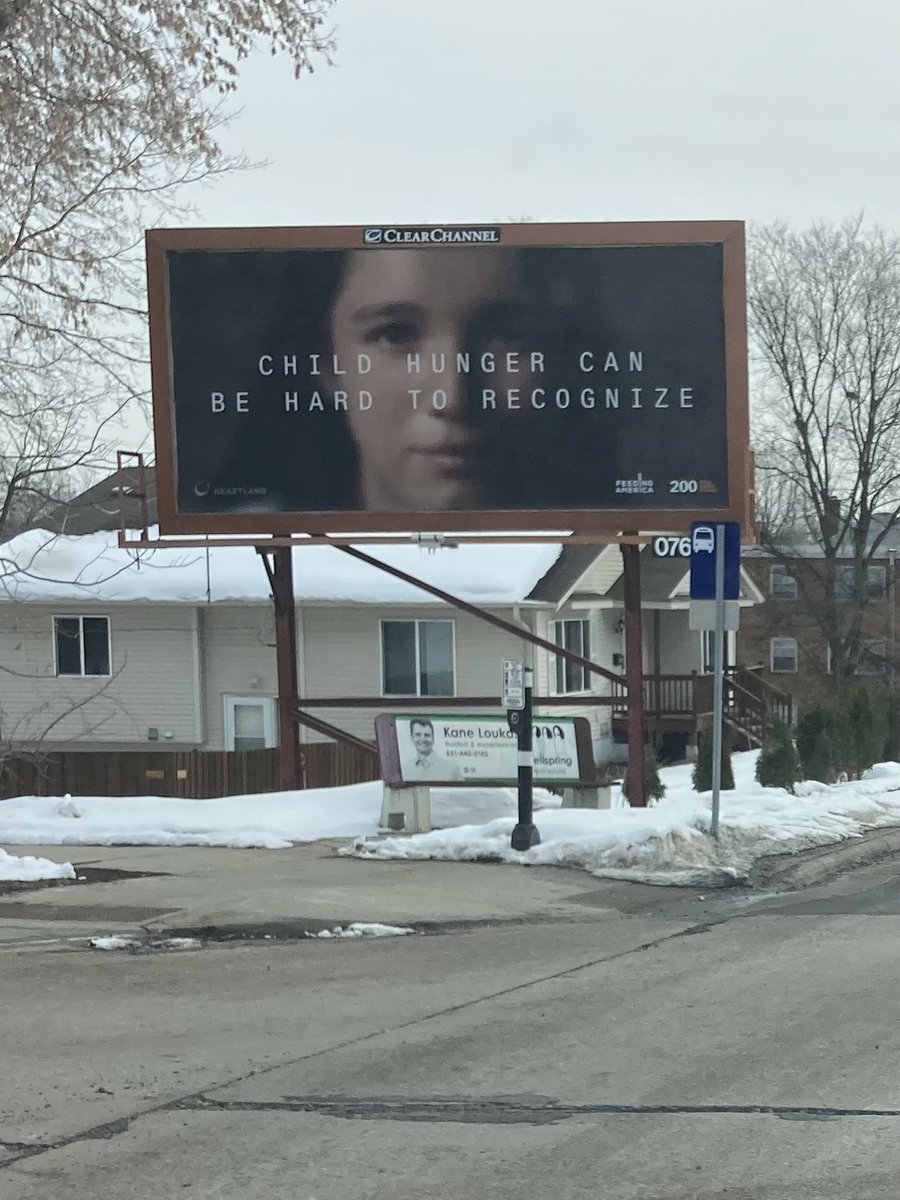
(509, 377)
(462, 748)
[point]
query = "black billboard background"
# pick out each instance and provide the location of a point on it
(227, 308)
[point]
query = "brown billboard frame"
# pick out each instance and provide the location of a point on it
(728, 234)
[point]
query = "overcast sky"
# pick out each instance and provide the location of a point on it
(486, 110)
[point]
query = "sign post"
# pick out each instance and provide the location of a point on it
(719, 637)
(715, 576)
(525, 834)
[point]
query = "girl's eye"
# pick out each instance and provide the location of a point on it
(392, 335)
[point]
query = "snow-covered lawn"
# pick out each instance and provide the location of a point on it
(668, 843)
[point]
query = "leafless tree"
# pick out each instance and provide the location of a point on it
(108, 110)
(824, 306)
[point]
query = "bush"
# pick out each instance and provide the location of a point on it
(654, 787)
(890, 751)
(866, 731)
(816, 746)
(702, 776)
(779, 763)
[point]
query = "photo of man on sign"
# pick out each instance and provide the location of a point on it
(420, 761)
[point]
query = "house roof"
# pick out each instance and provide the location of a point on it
(569, 567)
(41, 566)
(665, 579)
(75, 556)
(660, 578)
(115, 502)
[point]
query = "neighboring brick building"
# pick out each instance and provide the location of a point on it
(784, 635)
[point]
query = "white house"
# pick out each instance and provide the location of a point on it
(105, 648)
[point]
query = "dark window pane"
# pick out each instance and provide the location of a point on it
(436, 658)
(95, 631)
(68, 645)
(571, 635)
(398, 656)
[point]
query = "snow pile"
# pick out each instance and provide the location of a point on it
(360, 929)
(272, 821)
(28, 869)
(124, 941)
(114, 941)
(669, 843)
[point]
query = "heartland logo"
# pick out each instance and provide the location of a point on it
(436, 236)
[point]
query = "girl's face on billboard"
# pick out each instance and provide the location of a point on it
(429, 333)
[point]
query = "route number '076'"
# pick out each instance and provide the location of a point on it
(672, 547)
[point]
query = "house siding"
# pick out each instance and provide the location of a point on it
(237, 656)
(341, 655)
(153, 679)
(603, 572)
(679, 646)
(604, 642)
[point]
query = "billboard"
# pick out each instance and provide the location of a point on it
(461, 748)
(516, 377)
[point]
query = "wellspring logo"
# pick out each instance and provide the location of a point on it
(438, 236)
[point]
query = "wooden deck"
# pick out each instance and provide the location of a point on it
(684, 704)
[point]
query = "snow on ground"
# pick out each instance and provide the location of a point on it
(669, 843)
(272, 821)
(114, 941)
(360, 929)
(28, 869)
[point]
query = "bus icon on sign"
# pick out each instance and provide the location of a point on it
(704, 540)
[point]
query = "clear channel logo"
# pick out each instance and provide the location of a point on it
(437, 235)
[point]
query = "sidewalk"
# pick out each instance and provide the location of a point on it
(307, 886)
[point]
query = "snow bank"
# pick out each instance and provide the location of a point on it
(669, 843)
(29, 869)
(271, 821)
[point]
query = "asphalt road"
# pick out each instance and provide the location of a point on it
(715, 1049)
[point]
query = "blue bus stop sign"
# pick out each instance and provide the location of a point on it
(703, 559)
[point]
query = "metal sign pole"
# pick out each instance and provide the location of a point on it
(525, 834)
(718, 671)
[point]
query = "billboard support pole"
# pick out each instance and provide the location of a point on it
(281, 579)
(634, 676)
(525, 834)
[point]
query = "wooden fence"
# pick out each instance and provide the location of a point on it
(194, 774)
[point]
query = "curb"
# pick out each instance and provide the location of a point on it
(789, 872)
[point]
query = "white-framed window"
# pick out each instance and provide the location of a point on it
(845, 582)
(249, 722)
(81, 646)
(574, 636)
(782, 584)
(418, 658)
(872, 658)
(783, 655)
